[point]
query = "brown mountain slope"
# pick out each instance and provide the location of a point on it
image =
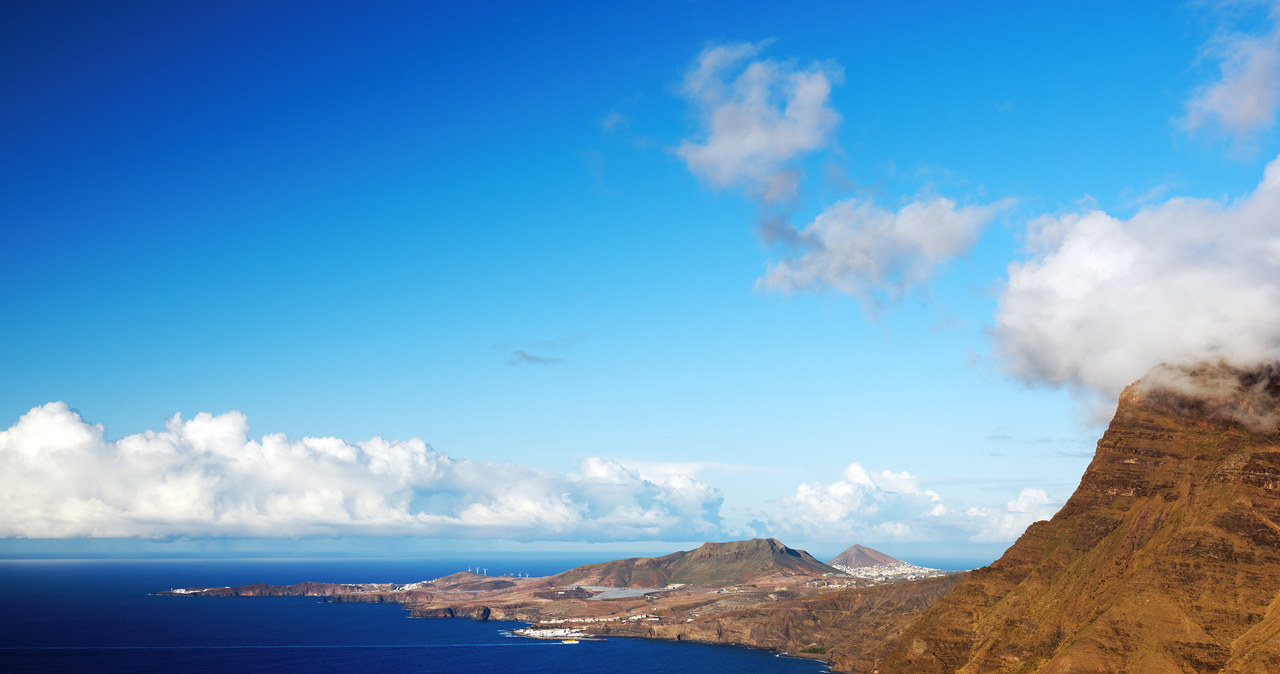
(804, 626)
(719, 564)
(859, 556)
(1166, 558)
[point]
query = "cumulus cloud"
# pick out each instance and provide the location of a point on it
(861, 506)
(999, 525)
(867, 506)
(856, 247)
(758, 119)
(1102, 300)
(1243, 99)
(204, 477)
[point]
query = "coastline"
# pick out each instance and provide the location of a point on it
(96, 615)
(797, 621)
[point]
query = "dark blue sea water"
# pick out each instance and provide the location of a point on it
(99, 615)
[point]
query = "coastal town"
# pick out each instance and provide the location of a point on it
(890, 573)
(558, 628)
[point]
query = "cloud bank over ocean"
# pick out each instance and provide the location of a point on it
(884, 505)
(205, 477)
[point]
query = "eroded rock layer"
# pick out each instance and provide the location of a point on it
(1166, 558)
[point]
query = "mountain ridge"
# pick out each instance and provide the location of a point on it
(729, 563)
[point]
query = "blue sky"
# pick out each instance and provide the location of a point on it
(572, 274)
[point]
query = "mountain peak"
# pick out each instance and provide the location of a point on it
(1219, 390)
(754, 545)
(860, 556)
(715, 564)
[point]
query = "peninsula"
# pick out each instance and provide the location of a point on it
(1166, 558)
(757, 593)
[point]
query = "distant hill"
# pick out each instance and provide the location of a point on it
(1165, 559)
(717, 564)
(860, 556)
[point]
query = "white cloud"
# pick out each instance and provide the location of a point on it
(856, 247)
(862, 506)
(657, 471)
(997, 525)
(869, 507)
(760, 117)
(1103, 300)
(1243, 100)
(613, 121)
(757, 119)
(204, 477)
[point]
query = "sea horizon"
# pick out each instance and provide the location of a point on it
(104, 615)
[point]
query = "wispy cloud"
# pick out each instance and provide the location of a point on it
(613, 121)
(539, 352)
(522, 357)
(204, 477)
(1243, 100)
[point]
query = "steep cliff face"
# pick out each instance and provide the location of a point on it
(736, 562)
(1166, 558)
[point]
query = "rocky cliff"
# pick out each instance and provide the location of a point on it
(1166, 558)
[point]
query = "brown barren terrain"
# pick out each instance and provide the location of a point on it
(1166, 558)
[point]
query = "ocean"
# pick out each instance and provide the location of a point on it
(100, 615)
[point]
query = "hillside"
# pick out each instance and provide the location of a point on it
(715, 564)
(859, 556)
(1166, 558)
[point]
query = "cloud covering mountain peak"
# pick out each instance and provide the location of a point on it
(1102, 299)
